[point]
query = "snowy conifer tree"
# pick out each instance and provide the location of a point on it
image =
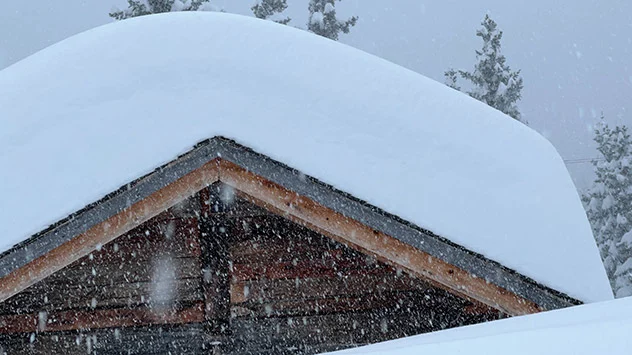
(146, 7)
(265, 9)
(451, 77)
(623, 273)
(323, 21)
(609, 205)
(492, 80)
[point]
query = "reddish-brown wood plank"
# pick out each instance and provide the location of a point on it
(303, 268)
(308, 307)
(322, 287)
(76, 288)
(286, 247)
(178, 236)
(100, 318)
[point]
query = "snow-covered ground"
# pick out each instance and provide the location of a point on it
(91, 113)
(599, 328)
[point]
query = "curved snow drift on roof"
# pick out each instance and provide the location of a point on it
(89, 114)
(600, 328)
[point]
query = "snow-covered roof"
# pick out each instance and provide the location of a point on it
(91, 113)
(599, 328)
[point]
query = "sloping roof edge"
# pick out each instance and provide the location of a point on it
(277, 172)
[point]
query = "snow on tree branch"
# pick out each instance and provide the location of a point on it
(492, 81)
(323, 21)
(264, 9)
(608, 205)
(146, 7)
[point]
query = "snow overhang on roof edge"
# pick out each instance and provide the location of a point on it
(277, 172)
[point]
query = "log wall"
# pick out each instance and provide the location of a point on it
(293, 290)
(219, 275)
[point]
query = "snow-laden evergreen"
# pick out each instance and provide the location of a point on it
(265, 9)
(146, 7)
(492, 81)
(609, 205)
(324, 22)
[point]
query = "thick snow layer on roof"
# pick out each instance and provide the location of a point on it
(599, 328)
(89, 114)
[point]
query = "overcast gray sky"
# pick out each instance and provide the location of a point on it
(574, 55)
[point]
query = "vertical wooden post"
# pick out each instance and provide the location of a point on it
(215, 261)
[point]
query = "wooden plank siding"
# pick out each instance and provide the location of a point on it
(100, 318)
(159, 340)
(122, 273)
(284, 289)
(294, 290)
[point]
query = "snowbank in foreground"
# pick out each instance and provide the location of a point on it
(89, 114)
(599, 328)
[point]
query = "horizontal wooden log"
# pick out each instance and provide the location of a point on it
(310, 307)
(307, 269)
(298, 241)
(306, 334)
(107, 274)
(71, 297)
(418, 304)
(300, 253)
(177, 237)
(261, 227)
(319, 288)
(100, 318)
(156, 339)
(362, 238)
(105, 232)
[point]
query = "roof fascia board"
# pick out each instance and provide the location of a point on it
(107, 207)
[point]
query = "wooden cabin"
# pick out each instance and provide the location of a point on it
(227, 251)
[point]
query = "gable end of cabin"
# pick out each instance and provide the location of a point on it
(224, 245)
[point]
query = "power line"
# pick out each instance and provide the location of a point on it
(582, 160)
